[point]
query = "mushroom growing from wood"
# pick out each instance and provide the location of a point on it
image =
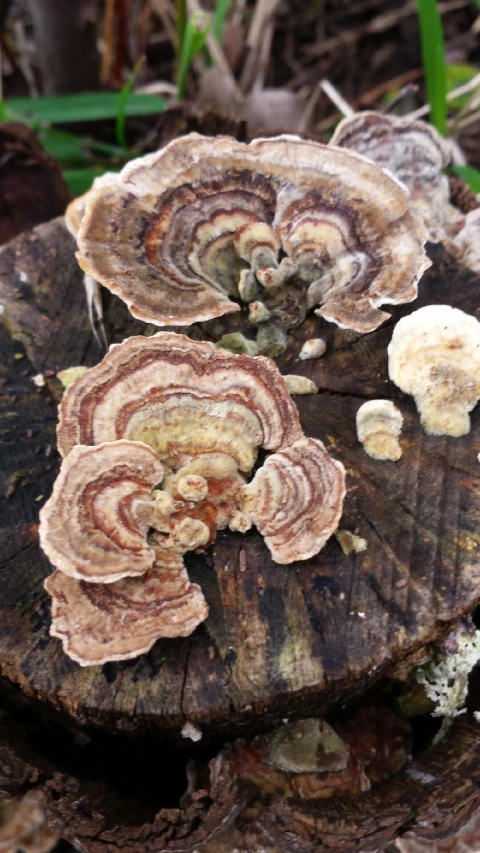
(284, 497)
(379, 424)
(116, 621)
(159, 441)
(284, 224)
(416, 154)
(434, 355)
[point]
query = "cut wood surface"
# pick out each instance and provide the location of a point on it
(279, 639)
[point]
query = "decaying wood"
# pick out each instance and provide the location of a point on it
(32, 188)
(281, 639)
(432, 799)
(435, 795)
(101, 820)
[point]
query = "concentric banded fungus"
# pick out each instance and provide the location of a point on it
(89, 528)
(379, 424)
(295, 500)
(158, 441)
(117, 621)
(186, 231)
(416, 154)
(434, 355)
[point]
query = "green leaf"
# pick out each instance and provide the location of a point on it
(71, 151)
(80, 180)
(87, 106)
(195, 35)
(457, 75)
(433, 55)
(66, 148)
(470, 175)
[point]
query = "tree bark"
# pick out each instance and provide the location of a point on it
(65, 34)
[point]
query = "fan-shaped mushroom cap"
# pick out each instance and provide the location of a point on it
(188, 230)
(415, 153)
(434, 355)
(295, 500)
(379, 424)
(88, 528)
(116, 621)
(181, 397)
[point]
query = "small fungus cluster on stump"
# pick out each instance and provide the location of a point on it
(159, 440)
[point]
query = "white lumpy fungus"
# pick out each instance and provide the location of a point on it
(434, 355)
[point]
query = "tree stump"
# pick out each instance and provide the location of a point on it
(280, 641)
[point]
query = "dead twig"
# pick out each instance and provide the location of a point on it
(164, 11)
(336, 98)
(217, 54)
(464, 89)
(264, 11)
(380, 24)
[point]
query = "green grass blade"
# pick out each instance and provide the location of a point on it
(73, 151)
(222, 8)
(433, 55)
(66, 148)
(195, 35)
(83, 107)
(181, 15)
(122, 106)
(470, 175)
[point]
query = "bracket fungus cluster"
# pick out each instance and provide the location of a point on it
(285, 225)
(159, 441)
(434, 355)
(416, 154)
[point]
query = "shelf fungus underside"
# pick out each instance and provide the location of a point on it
(285, 225)
(159, 443)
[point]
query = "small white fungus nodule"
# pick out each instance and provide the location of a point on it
(379, 424)
(434, 355)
